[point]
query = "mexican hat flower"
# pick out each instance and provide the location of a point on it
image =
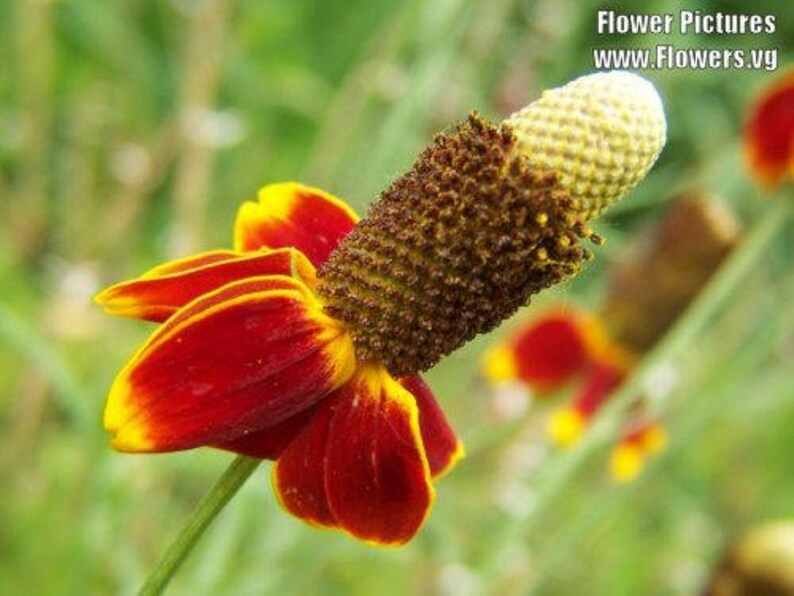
(545, 353)
(567, 346)
(553, 350)
(304, 343)
(769, 134)
(596, 351)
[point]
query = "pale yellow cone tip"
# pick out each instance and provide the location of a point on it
(600, 133)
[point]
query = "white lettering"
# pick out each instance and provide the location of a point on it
(610, 22)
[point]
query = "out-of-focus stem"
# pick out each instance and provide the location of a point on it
(201, 74)
(227, 486)
(131, 199)
(34, 76)
(583, 529)
(692, 323)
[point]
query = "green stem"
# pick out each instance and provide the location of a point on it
(723, 390)
(689, 326)
(212, 504)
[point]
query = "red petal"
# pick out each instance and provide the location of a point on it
(599, 383)
(160, 292)
(377, 477)
(236, 360)
(442, 445)
(650, 436)
(270, 442)
(769, 133)
(299, 475)
(291, 214)
(365, 444)
(191, 262)
(550, 350)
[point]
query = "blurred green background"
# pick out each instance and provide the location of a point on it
(131, 130)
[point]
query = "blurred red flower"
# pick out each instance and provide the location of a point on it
(769, 133)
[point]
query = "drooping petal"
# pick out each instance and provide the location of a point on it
(377, 484)
(292, 214)
(769, 134)
(567, 424)
(191, 262)
(442, 446)
(236, 360)
(271, 441)
(299, 474)
(601, 380)
(160, 292)
(377, 477)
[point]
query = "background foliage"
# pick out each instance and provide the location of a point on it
(129, 133)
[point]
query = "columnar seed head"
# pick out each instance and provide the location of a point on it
(600, 133)
(486, 217)
(453, 247)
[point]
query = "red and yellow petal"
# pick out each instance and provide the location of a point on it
(236, 360)
(299, 474)
(769, 134)
(601, 380)
(567, 424)
(442, 446)
(650, 437)
(630, 454)
(377, 477)
(192, 262)
(271, 441)
(160, 292)
(653, 437)
(377, 482)
(294, 215)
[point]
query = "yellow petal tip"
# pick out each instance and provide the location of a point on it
(499, 364)
(128, 430)
(626, 463)
(566, 427)
(655, 439)
(132, 438)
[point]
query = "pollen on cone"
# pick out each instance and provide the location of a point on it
(487, 217)
(600, 133)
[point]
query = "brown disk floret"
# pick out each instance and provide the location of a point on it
(451, 249)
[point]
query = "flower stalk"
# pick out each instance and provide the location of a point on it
(208, 509)
(689, 326)
(304, 343)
